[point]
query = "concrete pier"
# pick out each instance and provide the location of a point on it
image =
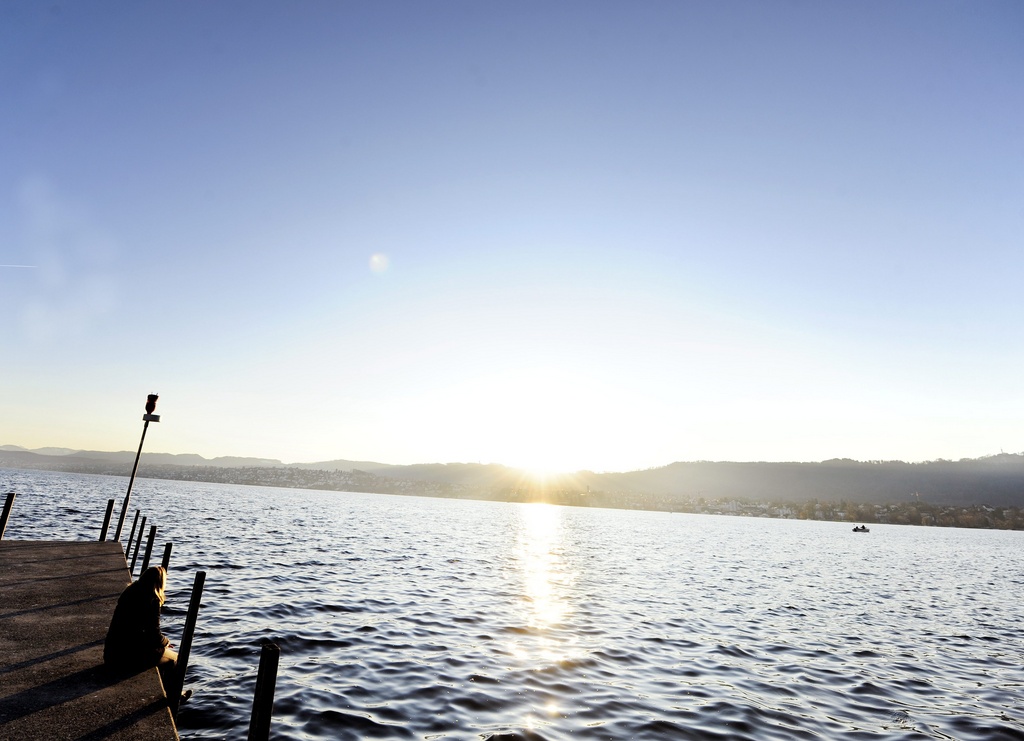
(56, 600)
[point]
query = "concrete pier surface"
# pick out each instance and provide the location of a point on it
(56, 601)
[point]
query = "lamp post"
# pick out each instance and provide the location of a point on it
(147, 418)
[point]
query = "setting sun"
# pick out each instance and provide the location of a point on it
(543, 420)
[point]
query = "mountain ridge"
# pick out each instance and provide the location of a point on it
(996, 480)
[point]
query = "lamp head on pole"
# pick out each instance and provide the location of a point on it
(150, 408)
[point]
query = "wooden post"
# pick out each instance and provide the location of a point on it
(185, 649)
(149, 549)
(135, 558)
(128, 548)
(106, 520)
(263, 699)
(166, 563)
(7, 512)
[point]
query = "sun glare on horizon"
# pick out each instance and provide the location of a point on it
(544, 421)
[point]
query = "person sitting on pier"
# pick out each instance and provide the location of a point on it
(134, 641)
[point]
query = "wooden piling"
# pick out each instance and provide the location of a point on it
(131, 537)
(149, 549)
(263, 699)
(166, 562)
(106, 520)
(8, 504)
(185, 649)
(135, 558)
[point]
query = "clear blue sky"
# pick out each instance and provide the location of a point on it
(563, 235)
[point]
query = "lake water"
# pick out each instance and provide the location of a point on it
(414, 618)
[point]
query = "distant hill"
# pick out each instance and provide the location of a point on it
(40, 451)
(189, 459)
(170, 459)
(463, 474)
(341, 465)
(996, 480)
(42, 458)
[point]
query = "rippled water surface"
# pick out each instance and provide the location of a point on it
(413, 618)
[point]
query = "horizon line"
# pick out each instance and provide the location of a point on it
(505, 465)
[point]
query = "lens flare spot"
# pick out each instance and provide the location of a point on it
(379, 263)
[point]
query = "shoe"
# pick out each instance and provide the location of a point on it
(185, 697)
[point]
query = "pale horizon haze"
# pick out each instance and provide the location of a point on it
(560, 236)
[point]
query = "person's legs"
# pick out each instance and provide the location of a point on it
(168, 666)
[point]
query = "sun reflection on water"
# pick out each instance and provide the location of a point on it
(547, 580)
(543, 568)
(548, 643)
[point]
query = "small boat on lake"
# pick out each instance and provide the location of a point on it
(861, 529)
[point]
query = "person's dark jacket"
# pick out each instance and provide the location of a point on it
(134, 639)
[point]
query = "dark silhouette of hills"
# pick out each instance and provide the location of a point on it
(996, 480)
(187, 459)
